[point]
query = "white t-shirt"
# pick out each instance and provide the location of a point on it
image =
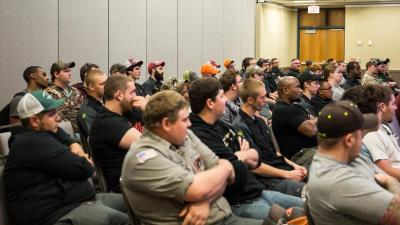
(382, 144)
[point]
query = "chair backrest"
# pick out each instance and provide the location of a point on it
(67, 127)
(3, 209)
(4, 149)
(274, 141)
(133, 218)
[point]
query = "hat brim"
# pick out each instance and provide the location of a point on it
(54, 105)
(370, 121)
(69, 65)
(160, 64)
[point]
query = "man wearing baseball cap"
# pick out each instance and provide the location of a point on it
(61, 74)
(229, 64)
(133, 70)
(209, 70)
(156, 71)
(46, 173)
(309, 85)
(341, 188)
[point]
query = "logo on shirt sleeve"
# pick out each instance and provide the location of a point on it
(145, 155)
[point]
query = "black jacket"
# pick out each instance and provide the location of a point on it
(87, 114)
(320, 102)
(293, 72)
(221, 139)
(43, 180)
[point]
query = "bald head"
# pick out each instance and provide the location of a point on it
(289, 88)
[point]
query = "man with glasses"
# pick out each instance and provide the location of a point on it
(156, 70)
(230, 82)
(61, 74)
(323, 97)
(133, 70)
(294, 70)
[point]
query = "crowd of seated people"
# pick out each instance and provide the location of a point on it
(222, 146)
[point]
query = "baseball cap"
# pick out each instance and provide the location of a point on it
(60, 65)
(306, 76)
(154, 64)
(343, 117)
(36, 102)
(132, 63)
(228, 62)
(208, 68)
(253, 69)
(190, 75)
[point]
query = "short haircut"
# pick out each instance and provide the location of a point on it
(330, 60)
(314, 67)
(294, 59)
(227, 79)
(250, 88)
(273, 59)
(284, 82)
(164, 104)
(261, 61)
(328, 142)
(91, 74)
(309, 62)
(115, 83)
(368, 97)
(246, 62)
(201, 90)
(351, 65)
(85, 69)
(28, 71)
(328, 70)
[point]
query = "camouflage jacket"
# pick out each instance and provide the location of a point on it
(72, 102)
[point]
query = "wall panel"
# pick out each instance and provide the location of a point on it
(213, 39)
(189, 35)
(162, 28)
(83, 26)
(28, 36)
(127, 32)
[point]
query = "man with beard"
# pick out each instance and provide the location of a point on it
(293, 127)
(154, 83)
(275, 171)
(133, 70)
(323, 97)
(112, 133)
(36, 78)
(275, 68)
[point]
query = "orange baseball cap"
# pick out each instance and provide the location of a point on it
(208, 68)
(228, 62)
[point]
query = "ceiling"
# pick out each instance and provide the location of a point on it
(327, 3)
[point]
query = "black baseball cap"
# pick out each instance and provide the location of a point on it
(343, 117)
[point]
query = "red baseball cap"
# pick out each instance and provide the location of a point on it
(154, 64)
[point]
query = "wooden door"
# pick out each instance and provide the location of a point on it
(321, 45)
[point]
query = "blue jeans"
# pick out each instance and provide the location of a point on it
(259, 208)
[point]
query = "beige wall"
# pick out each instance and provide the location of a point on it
(378, 24)
(276, 32)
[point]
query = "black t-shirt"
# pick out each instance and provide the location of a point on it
(286, 118)
(107, 131)
(307, 105)
(223, 141)
(261, 137)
